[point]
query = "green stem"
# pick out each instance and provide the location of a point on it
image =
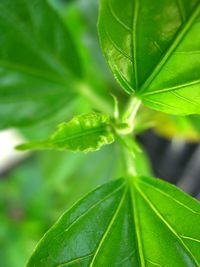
(127, 120)
(129, 148)
(131, 110)
(95, 99)
(129, 162)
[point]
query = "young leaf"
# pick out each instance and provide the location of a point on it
(86, 133)
(146, 222)
(152, 49)
(38, 61)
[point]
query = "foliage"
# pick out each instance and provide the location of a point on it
(46, 80)
(151, 43)
(138, 215)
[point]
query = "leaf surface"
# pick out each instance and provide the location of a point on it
(144, 222)
(86, 133)
(153, 50)
(38, 61)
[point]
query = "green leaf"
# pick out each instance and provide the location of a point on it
(88, 132)
(143, 222)
(38, 61)
(153, 51)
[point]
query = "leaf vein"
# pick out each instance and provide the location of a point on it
(187, 52)
(119, 49)
(167, 224)
(126, 27)
(185, 99)
(171, 49)
(154, 263)
(74, 260)
(165, 194)
(92, 207)
(190, 238)
(170, 89)
(109, 227)
(128, 84)
(137, 228)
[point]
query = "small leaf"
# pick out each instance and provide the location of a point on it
(86, 133)
(38, 62)
(144, 222)
(153, 50)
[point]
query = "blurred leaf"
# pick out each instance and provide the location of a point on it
(33, 195)
(71, 175)
(140, 214)
(175, 126)
(86, 133)
(80, 17)
(39, 62)
(45, 127)
(168, 126)
(153, 52)
(195, 120)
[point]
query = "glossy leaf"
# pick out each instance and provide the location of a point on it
(146, 222)
(38, 60)
(152, 48)
(86, 133)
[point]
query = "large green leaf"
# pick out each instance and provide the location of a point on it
(87, 132)
(142, 222)
(153, 49)
(38, 61)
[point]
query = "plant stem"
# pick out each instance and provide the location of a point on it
(129, 162)
(126, 123)
(131, 110)
(95, 99)
(129, 148)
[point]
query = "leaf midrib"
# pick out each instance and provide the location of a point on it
(137, 226)
(170, 51)
(101, 130)
(109, 227)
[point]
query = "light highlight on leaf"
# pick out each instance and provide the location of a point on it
(154, 52)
